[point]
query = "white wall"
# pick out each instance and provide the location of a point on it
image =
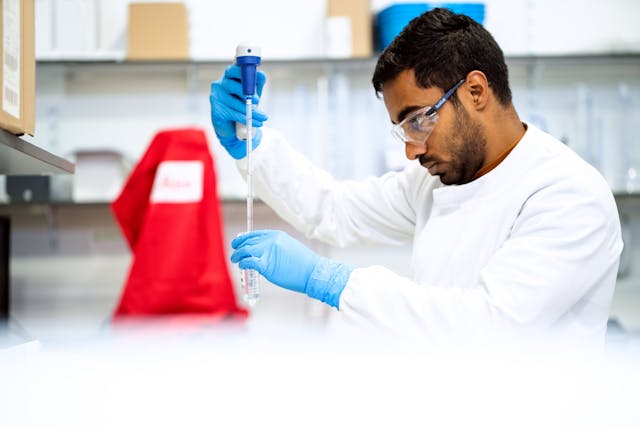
(590, 103)
(291, 29)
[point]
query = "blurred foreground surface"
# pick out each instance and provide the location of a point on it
(193, 373)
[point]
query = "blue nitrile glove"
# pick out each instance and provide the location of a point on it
(284, 261)
(228, 107)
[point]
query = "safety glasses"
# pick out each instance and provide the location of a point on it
(416, 128)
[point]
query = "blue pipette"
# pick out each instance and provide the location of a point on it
(248, 58)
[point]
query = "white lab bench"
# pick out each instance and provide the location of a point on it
(66, 367)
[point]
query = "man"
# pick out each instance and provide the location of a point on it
(512, 232)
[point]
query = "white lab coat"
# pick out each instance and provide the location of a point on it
(533, 245)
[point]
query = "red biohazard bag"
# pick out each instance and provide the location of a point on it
(169, 213)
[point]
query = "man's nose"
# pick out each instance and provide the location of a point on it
(413, 151)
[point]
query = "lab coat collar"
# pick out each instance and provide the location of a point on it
(518, 161)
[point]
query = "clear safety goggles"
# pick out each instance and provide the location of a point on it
(416, 128)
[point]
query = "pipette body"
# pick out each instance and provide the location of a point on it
(248, 58)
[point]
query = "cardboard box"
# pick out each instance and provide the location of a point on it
(359, 12)
(158, 31)
(18, 67)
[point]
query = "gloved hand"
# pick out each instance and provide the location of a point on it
(284, 261)
(228, 107)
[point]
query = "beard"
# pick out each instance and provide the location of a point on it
(466, 150)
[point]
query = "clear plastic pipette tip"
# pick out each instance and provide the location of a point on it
(251, 287)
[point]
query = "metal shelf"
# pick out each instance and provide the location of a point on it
(7, 205)
(626, 195)
(119, 58)
(19, 157)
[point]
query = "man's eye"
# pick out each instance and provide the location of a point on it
(417, 122)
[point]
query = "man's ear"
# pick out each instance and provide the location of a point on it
(477, 86)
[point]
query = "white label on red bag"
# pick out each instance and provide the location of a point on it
(178, 182)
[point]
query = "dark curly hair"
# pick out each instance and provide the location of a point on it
(442, 47)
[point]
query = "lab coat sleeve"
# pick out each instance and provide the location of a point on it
(564, 244)
(377, 210)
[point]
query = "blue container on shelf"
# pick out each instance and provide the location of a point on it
(391, 20)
